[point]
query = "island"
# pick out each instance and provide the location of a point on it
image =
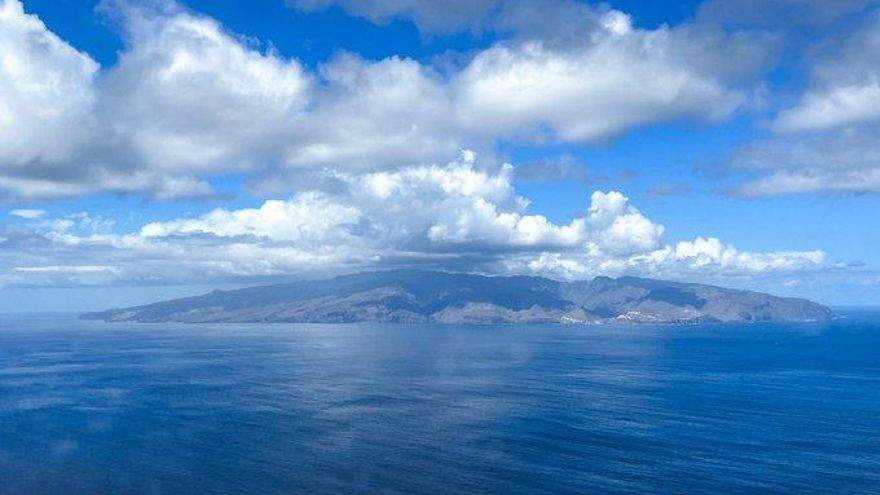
(418, 296)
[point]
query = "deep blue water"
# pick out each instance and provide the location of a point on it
(92, 408)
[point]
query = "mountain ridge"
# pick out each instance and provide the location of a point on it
(418, 296)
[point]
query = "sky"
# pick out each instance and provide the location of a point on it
(157, 148)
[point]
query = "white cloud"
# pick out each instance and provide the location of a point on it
(46, 92)
(623, 230)
(609, 79)
(414, 206)
(844, 84)
(310, 218)
(28, 213)
(711, 253)
(798, 182)
(705, 259)
(844, 160)
(370, 115)
(833, 107)
(187, 96)
(186, 99)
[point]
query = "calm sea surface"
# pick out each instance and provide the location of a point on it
(92, 408)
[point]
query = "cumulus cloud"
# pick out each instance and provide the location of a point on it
(422, 207)
(455, 216)
(593, 86)
(188, 96)
(185, 98)
(370, 115)
(622, 229)
(707, 259)
(845, 85)
(47, 94)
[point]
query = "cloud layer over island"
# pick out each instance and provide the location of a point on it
(354, 162)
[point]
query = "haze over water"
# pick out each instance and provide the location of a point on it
(94, 408)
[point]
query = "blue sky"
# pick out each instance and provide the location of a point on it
(165, 148)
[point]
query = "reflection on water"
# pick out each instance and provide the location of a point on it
(195, 409)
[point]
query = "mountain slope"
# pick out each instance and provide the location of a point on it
(423, 296)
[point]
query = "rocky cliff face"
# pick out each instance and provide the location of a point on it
(423, 296)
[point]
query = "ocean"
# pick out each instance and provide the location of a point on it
(95, 408)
